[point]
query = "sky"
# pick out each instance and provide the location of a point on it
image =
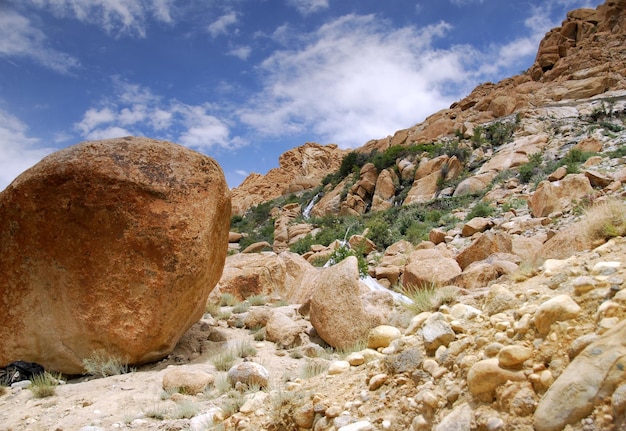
(243, 81)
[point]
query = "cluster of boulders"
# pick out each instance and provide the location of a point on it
(501, 357)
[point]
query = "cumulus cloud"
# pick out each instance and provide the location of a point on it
(18, 151)
(221, 25)
(306, 7)
(20, 38)
(135, 110)
(354, 79)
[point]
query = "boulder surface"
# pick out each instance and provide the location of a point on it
(109, 247)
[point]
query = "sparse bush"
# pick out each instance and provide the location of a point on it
(242, 307)
(157, 412)
(44, 385)
(212, 309)
(343, 252)
(223, 360)
(244, 349)
(186, 409)
(102, 364)
(312, 368)
(303, 245)
(228, 299)
(232, 402)
(260, 335)
(284, 406)
(256, 300)
(481, 209)
(605, 220)
(429, 298)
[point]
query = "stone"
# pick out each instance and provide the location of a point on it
(593, 375)
(357, 426)
(257, 247)
(499, 299)
(109, 247)
(566, 243)
(477, 224)
(249, 373)
(186, 381)
(248, 274)
(436, 332)
(550, 197)
(338, 367)
(285, 331)
(382, 336)
(355, 359)
(297, 269)
(557, 309)
(484, 246)
(459, 419)
(337, 312)
(438, 270)
(486, 375)
(598, 179)
(377, 381)
(512, 356)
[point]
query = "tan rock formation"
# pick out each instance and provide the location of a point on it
(247, 274)
(109, 246)
(300, 168)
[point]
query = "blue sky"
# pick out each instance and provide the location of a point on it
(245, 80)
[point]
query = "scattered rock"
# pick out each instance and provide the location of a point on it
(557, 309)
(186, 381)
(249, 373)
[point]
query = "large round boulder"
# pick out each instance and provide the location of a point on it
(109, 248)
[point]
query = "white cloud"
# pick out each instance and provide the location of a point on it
(135, 110)
(354, 79)
(19, 38)
(221, 25)
(306, 7)
(242, 52)
(116, 17)
(18, 151)
(242, 172)
(107, 133)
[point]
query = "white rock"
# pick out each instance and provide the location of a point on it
(557, 309)
(338, 367)
(382, 336)
(357, 426)
(605, 268)
(206, 420)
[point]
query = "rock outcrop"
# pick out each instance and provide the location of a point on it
(109, 246)
(301, 168)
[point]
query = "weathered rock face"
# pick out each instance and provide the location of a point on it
(110, 245)
(301, 168)
(337, 312)
(550, 197)
(248, 274)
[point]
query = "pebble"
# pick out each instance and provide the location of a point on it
(605, 268)
(355, 359)
(510, 356)
(487, 375)
(377, 381)
(437, 332)
(338, 367)
(583, 284)
(556, 309)
(382, 336)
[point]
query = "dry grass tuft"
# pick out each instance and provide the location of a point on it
(605, 220)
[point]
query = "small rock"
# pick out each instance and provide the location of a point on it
(417, 322)
(186, 381)
(495, 424)
(557, 309)
(459, 419)
(304, 416)
(355, 359)
(338, 367)
(486, 375)
(382, 336)
(511, 356)
(377, 381)
(249, 373)
(254, 402)
(605, 268)
(437, 332)
(206, 420)
(583, 284)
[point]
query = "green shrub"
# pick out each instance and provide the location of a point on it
(343, 252)
(228, 299)
(303, 245)
(481, 209)
(379, 232)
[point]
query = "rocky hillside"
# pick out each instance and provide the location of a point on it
(583, 58)
(467, 275)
